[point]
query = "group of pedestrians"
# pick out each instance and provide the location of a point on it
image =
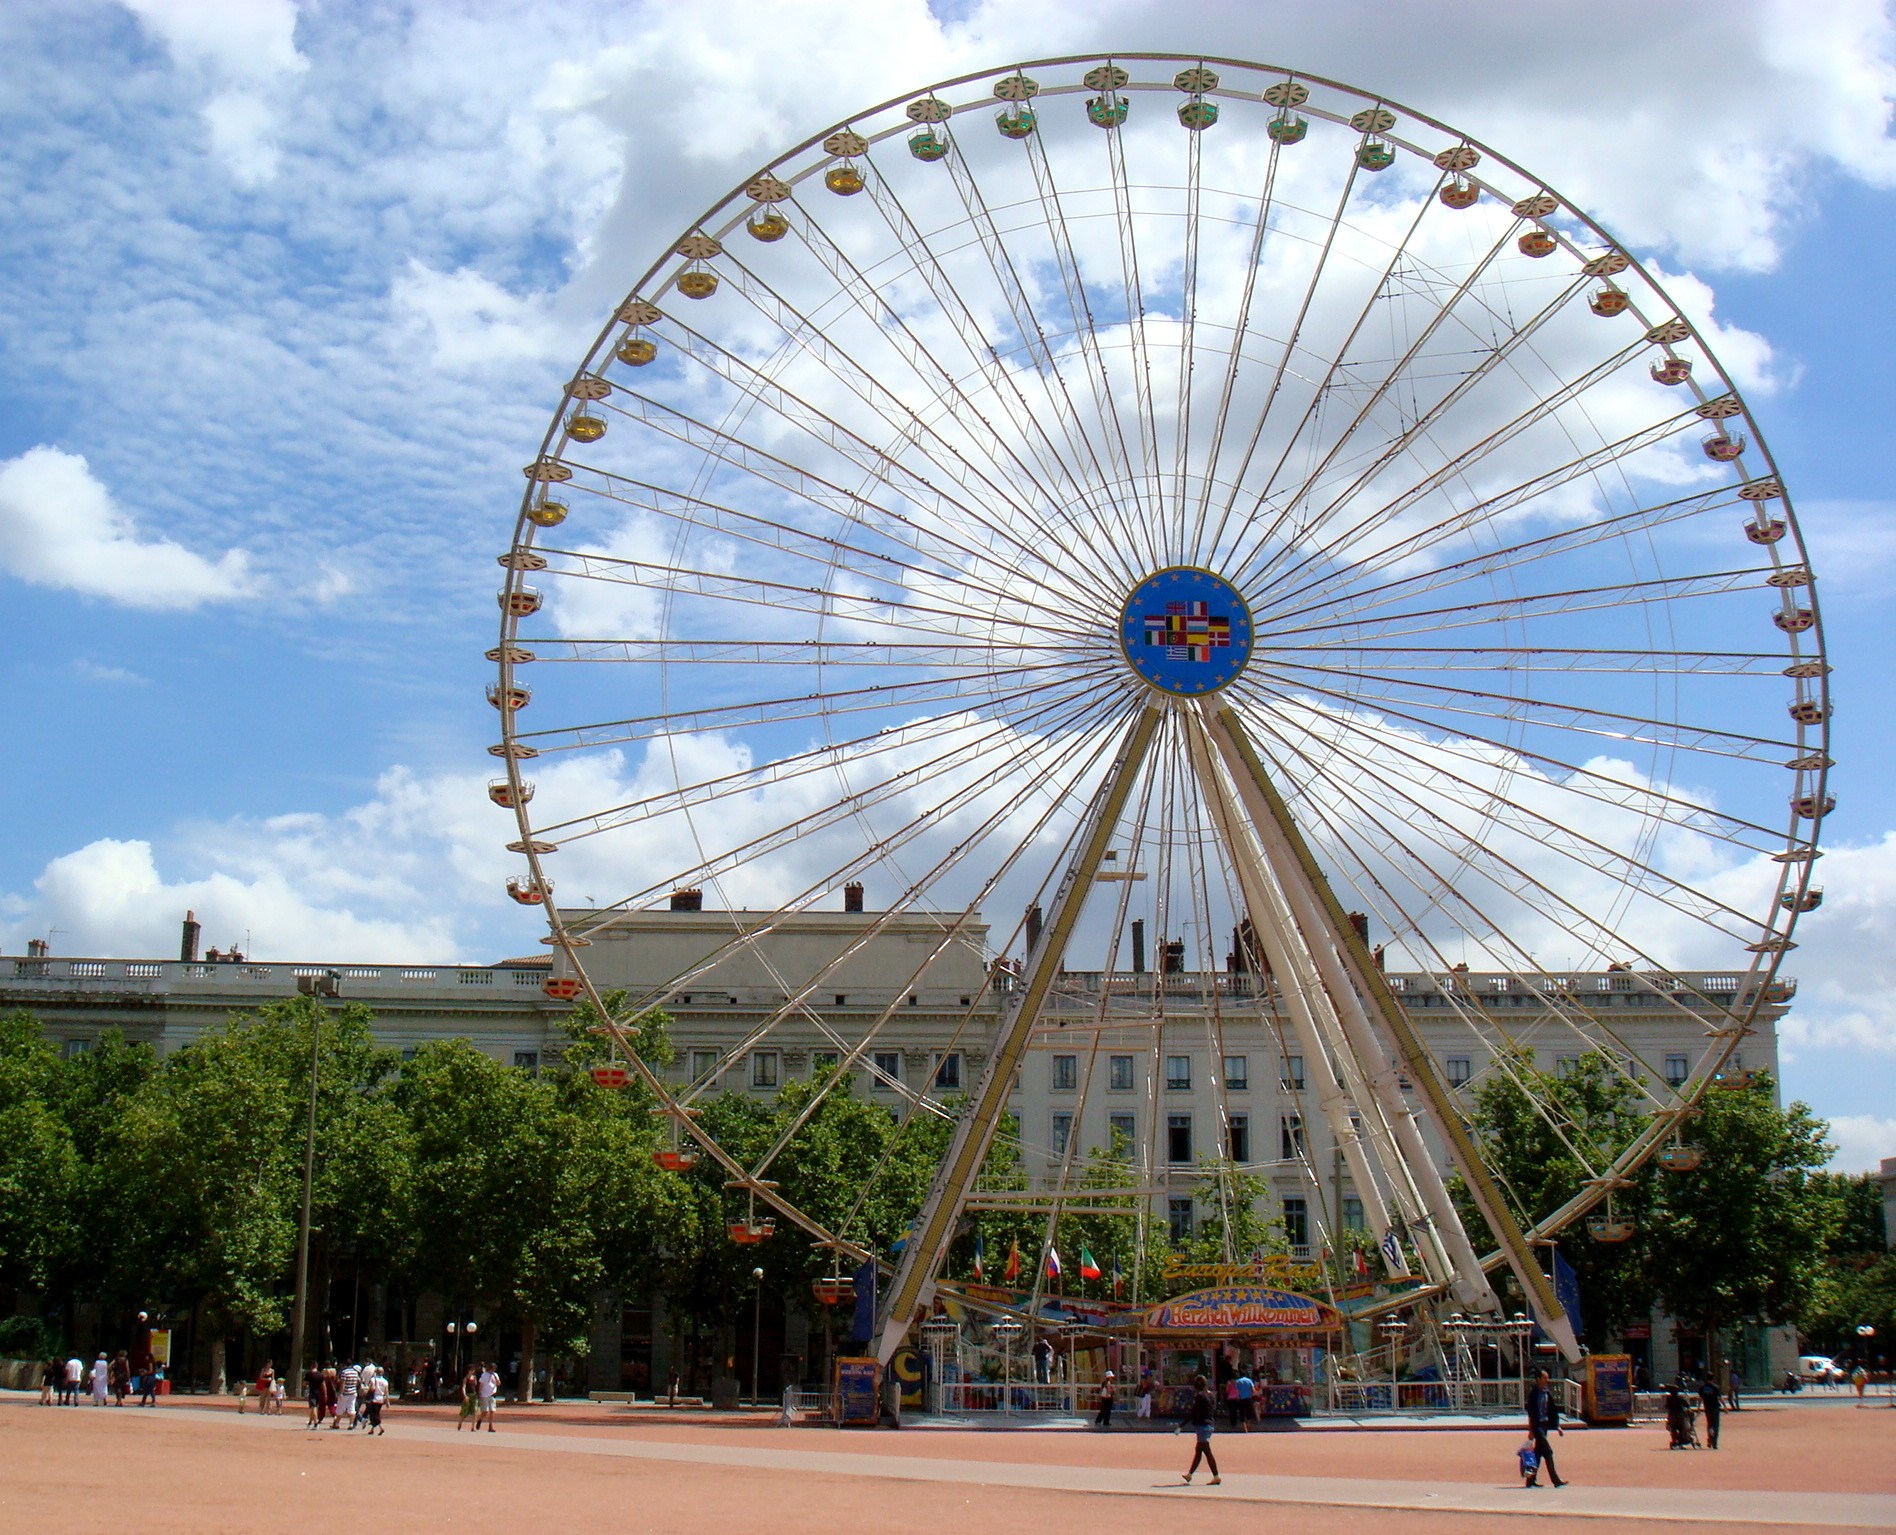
(63, 1382)
(349, 1398)
(1682, 1414)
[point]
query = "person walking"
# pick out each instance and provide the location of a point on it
(1860, 1378)
(52, 1378)
(101, 1380)
(148, 1385)
(1043, 1361)
(489, 1390)
(1247, 1400)
(1108, 1394)
(470, 1400)
(1203, 1417)
(1713, 1402)
(75, 1378)
(266, 1386)
(120, 1377)
(313, 1393)
(351, 1383)
(378, 1399)
(1543, 1418)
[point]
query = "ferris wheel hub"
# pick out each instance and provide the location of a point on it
(1186, 631)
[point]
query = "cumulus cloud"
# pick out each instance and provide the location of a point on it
(467, 320)
(60, 527)
(1846, 959)
(1862, 1141)
(244, 50)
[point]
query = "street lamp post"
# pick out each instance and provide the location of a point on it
(328, 984)
(1007, 1329)
(1393, 1330)
(757, 1319)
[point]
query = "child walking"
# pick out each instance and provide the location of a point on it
(1203, 1418)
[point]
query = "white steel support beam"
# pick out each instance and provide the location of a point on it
(1272, 815)
(912, 1289)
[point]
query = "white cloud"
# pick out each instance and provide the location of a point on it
(247, 49)
(1846, 957)
(1852, 545)
(1862, 1141)
(60, 527)
(93, 671)
(470, 321)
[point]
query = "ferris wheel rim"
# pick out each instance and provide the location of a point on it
(553, 447)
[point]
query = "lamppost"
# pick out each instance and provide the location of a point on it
(328, 984)
(1007, 1330)
(458, 1331)
(757, 1318)
(1394, 1330)
(939, 1332)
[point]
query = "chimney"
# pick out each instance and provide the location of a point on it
(1172, 956)
(1361, 923)
(37, 948)
(852, 897)
(188, 943)
(1138, 946)
(1033, 926)
(687, 900)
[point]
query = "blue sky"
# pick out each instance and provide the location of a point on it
(286, 293)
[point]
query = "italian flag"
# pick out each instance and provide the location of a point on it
(1088, 1268)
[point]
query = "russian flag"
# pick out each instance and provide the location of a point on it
(1053, 1262)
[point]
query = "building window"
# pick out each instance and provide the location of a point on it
(1178, 1217)
(1678, 1068)
(704, 1065)
(1238, 1073)
(764, 1068)
(1062, 1133)
(1290, 1136)
(1297, 1224)
(1178, 1072)
(1293, 1074)
(1066, 1073)
(1564, 1065)
(1459, 1070)
(824, 1061)
(1353, 1213)
(1238, 1134)
(1119, 1073)
(409, 1052)
(527, 1060)
(72, 1047)
(1178, 1137)
(1118, 1125)
(948, 1072)
(888, 1068)
(842, 1000)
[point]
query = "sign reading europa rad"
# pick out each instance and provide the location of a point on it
(1242, 1308)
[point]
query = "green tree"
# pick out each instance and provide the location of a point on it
(1544, 1135)
(1742, 1237)
(41, 1171)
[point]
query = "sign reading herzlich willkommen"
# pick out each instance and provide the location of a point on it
(1242, 1308)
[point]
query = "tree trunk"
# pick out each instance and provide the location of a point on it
(217, 1364)
(523, 1386)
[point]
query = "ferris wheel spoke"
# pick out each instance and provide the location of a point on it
(1490, 358)
(1545, 658)
(1221, 416)
(1491, 562)
(1145, 417)
(884, 466)
(805, 706)
(1489, 363)
(1033, 334)
(934, 620)
(1438, 698)
(1086, 333)
(1188, 341)
(817, 490)
(1003, 381)
(1614, 793)
(1422, 789)
(1458, 466)
(1282, 370)
(935, 655)
(1665, 589)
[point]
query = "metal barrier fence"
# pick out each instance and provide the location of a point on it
(801, 1406)
(1017, 1396)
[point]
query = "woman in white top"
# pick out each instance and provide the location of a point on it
(101, 1380)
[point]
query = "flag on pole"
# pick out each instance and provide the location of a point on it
(1053, 1261)
(1118, 1279)
(1012, 1272)
(980, 1269)
(1088, 1268)
(1392, 1251)
(1359, 1263)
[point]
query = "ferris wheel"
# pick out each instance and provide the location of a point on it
(1185, 490)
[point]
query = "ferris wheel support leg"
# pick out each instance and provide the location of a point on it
(912, 1289)
(1304, 997)
(1368, 984)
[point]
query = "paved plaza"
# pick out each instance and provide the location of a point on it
(191, 1467)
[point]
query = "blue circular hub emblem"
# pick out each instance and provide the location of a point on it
(1186, 631)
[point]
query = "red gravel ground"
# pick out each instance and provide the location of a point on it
(164, 1470)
